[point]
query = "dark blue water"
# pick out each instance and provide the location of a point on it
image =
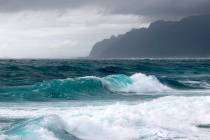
(64, 99)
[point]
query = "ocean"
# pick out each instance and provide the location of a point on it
(113, 99)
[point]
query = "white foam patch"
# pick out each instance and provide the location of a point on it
(202, 84)
(146, 83)
(163, 118)
(139, 83)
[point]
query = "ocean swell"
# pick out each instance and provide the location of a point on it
(86, 87)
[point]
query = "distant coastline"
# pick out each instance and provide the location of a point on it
(187, 38)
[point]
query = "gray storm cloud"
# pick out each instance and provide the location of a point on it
(69, 28)
(138, 7)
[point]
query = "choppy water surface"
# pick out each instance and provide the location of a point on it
(105, 99)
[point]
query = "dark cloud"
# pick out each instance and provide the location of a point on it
(164, 7)
(139, 7)
(19, 5)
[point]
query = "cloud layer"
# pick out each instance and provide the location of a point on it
(139, 7)
(69, 28)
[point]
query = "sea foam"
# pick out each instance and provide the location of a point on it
(136, 83)
(164, 118)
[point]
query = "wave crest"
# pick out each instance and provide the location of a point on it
(42, 128)
(119, 83)
(136, 83)
(86, 87)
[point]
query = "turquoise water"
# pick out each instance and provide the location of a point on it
(105, 99)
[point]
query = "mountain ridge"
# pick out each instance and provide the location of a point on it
(189, 37)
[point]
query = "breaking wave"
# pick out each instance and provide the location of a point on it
(42, 128)
(86, 87)
(186, 117)
(92, 87)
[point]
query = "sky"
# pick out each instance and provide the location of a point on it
(69, 28)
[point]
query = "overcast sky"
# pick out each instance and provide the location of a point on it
(69, 28)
